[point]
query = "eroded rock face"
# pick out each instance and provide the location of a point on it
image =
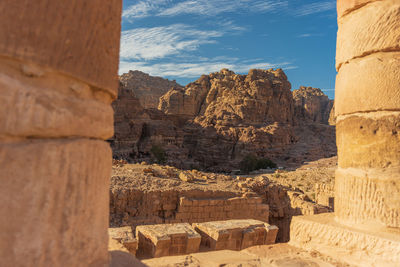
(128, 116)
(233, 115)
(214, 122)
(228, 99)
(137, 129)
(312, 104)
(148, 89)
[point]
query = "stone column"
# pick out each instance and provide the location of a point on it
(58, 77)
(368, 113)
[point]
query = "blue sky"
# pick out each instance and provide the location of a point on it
(183, 39)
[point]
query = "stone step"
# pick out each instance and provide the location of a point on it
(359, 247)
(235, 234)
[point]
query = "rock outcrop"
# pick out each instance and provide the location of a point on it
(137, 129)
(228, 99)
(128, 123)
(148, 89)
(214, 122)
(312, 104)
(233, 115)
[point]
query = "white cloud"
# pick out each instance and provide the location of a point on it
(195, 69)
(314, 8)
(159, 42)
(306, 35)
(146, 8)
(143, 8)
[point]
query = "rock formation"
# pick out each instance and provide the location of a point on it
(312, 104)
(332, 117)
(148, 89)
(228, 99)
(128, 114)
(217, 120)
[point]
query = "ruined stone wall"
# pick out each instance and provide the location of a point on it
(270, 202)
(134, 207)
(368, 113)
(58, 69)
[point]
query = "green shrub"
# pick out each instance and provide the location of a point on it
(248, 163)
(159, 154)
(251, 163)
(265, 163)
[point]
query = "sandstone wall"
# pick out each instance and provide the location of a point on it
(324, 195)
(271, 203)
(367, 110)
(58, 69)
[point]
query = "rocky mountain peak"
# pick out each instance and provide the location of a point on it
(148, 89)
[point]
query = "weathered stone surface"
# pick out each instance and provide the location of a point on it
(272, 233)
(148, 89)
(370, 140)
(235, 234)
(368, 197)
(138, 198)
(352, 245)
(369, 83)
(50, 105)
(125, 237)
(372, 28)
(128, 124)
(167, 239)
(54, 196)
(332, 116)
(186, 177)
(312, 104)
(344, 7)
(325, 195)
(81, 41)
(137, 129)
(226, 98)
(214, 209)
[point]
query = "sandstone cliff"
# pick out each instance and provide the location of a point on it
(148, 89)
(137, 129)
(312, 104)
(234, 115)
(214, 122)
(226, 98)
(128, 116)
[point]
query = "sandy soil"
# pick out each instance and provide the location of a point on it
(278, 255)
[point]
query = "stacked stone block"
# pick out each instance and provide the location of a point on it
(367, 186)
(235, 234)
(324, 194)
(204, 210)
(58, 70)
(167, 239)
(125, 236)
